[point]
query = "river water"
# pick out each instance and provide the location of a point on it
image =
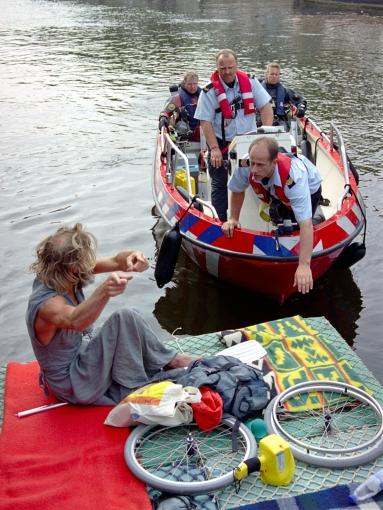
(82, 83)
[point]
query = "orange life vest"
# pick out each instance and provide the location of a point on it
(246, 92)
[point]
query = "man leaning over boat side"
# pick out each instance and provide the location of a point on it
(292, 186)
(286, 102)
(182, 106)
(226, 108)
(77, 364)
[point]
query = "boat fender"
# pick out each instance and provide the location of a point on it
(168, 255)
(350, 255)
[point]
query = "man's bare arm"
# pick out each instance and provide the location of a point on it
(267, 115)
(303, 277)
(215, 151)
(236, 202)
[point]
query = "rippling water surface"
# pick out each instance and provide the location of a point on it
(82, 83)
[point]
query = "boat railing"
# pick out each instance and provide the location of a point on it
(170, 170)
(209, 206)
(335, 132)
(165, 139)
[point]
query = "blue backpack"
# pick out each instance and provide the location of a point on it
(242, 388)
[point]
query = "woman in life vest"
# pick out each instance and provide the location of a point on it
(182, 106)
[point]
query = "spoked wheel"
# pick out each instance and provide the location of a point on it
(328, 424)
(185, 460)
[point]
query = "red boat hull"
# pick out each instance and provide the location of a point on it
(252, 259)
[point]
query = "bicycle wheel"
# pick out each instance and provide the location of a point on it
(185, 460)
(327, 423)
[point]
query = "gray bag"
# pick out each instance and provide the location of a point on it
(242, 388)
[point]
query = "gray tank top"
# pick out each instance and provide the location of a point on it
(55, 359)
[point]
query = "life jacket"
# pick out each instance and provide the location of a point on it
(283, 167)
(189, 102)
(279, 97)
(246, 92)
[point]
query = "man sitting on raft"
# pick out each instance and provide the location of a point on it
(79, 365)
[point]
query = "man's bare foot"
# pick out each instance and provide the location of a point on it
(181, 361)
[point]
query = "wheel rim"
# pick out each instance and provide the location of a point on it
(340, 426)
(159, 456)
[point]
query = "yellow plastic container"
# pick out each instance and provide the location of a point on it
(277, 461)
(181, 180)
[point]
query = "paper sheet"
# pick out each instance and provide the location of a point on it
(247, 352)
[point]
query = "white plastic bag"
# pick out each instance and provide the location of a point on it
(163, 403)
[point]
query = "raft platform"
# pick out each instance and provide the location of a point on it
(299, 349)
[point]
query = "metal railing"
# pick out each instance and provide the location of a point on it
(342, 150)
(167, 142)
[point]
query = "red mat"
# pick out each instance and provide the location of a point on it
(63, 458)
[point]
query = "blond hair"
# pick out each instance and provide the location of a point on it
(66, 258)
(272, 65)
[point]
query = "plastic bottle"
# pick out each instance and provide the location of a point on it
(367, 489)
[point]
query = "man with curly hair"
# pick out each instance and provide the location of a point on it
(78, 364)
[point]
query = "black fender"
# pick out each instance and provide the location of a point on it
(168, 256)
(350, 255)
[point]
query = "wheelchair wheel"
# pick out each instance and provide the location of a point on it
(185, 460)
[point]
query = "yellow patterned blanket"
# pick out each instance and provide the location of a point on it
(297, 352)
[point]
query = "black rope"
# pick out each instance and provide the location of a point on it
(362, 211)
(193, 200)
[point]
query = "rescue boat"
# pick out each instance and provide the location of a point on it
(261, 256)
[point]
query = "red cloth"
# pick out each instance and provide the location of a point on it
(62, 458)
(208, 412)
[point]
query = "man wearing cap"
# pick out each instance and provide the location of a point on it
(226, 108)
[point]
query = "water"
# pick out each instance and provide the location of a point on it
(82, 83)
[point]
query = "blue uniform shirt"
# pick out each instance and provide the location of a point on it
(306, 179)
(241, 124)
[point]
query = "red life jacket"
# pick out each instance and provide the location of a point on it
(283, 166)
(246, 92)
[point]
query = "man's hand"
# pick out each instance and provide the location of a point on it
(303, 278)
(137, 262)
(116, 284)
(229, 226)
(216, 157)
